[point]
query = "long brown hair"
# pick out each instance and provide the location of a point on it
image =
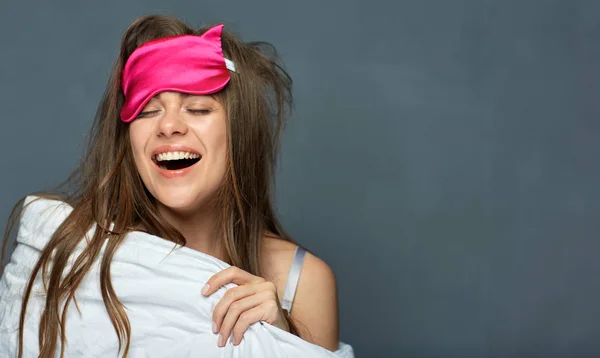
(106, 187)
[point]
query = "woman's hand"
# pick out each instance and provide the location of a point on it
(254, 299)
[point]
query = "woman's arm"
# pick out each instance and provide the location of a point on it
(314, 310)
(315, 307)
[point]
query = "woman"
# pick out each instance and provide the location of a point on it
(182, 149)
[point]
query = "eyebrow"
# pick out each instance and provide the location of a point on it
(183, 96)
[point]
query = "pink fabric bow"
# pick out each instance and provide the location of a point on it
(188, 63)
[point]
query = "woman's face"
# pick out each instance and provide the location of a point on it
(179, 146)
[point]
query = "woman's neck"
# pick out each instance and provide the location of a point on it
(199, 228)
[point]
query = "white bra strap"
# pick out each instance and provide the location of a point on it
(293, 278)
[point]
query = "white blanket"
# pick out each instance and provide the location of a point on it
(160, 288)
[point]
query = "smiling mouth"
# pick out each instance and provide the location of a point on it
(175, 164)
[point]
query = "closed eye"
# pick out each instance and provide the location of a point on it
(199, 111)
(147, 113)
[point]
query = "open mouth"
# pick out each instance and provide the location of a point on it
(176, 162)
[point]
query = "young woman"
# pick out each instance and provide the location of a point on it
(182, 152)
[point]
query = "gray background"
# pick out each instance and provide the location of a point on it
(442, 157)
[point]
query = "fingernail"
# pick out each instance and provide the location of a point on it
(214, 327)
(220, 342)
(205, 289)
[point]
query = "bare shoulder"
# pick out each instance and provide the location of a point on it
(276, 257)
(315, 307)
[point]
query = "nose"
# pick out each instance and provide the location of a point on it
(171, 123)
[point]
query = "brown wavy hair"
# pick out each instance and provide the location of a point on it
(106, 187)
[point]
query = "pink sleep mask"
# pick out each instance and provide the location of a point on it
(187, 63)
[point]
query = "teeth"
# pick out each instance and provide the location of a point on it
(176, 156)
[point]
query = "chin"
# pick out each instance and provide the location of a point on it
(181, 200)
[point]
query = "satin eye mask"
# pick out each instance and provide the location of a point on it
(187, 63)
